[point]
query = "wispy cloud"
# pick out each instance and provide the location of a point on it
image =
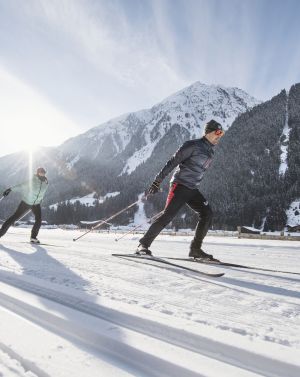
(249, 44)
(101, 65)
(93, 60)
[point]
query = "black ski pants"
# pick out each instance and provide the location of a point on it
(178, 196)
(21, 210)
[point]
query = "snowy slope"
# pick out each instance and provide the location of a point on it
(135, 135)
(124, 148)
(83, 311)
(88, 200)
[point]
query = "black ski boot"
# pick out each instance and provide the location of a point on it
(143, 250)
(199, 253)
(34, 240)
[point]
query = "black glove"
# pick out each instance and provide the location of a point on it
(6, 192)
(154, 188)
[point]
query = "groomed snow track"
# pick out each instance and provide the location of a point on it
(133, 346)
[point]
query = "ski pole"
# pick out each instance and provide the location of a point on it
(26, 213)
(20, 218)
(106, 220)
(138, 226)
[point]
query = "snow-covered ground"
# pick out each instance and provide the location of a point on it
(71, 309)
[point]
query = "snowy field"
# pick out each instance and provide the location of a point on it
(70, 309)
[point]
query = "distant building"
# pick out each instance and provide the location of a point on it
(249, 230)
(295, 228)
(31, 222)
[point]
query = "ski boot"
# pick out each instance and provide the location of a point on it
(198, 253)
(34, 240)
(143, 250)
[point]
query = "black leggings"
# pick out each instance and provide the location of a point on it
(21, 210)
(178, 196)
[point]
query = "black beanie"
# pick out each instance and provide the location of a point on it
(40, 170)
(212, 125)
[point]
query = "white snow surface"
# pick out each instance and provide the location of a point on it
(72, 309)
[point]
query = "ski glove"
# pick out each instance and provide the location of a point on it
(154, 188)
(6, 192)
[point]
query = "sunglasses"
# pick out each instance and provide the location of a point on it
(219, 132)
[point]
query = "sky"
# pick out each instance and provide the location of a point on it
(69, 65)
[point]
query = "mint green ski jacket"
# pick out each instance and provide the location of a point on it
(32, 191)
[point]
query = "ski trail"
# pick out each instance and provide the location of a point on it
(227, 322)
(140, 337)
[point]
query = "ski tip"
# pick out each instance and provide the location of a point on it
(212, 275)
(219, 275)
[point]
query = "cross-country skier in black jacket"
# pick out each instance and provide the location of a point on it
(192, 160)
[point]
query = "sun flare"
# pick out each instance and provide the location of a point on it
(29, 119)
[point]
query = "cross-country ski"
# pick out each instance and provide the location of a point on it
(163, 261)
(226, 264)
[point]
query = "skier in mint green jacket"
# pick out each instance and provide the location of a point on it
(33, 192)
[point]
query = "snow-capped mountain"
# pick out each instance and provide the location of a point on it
(253, 181)
(133, 137)
(124, 154)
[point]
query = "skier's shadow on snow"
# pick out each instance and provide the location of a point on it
(261, 287)
(234, 284)
(39, 264)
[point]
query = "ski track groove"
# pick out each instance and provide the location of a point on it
(149, 300)
(102, 284)
(161, 332)
(182, 275)
(242, 276)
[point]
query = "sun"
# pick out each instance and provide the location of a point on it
(29, 120)
(25, 139)
(30, 147)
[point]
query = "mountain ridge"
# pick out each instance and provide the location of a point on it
(125, 153)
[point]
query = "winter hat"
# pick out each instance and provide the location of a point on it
(212, 125)
(40, 171)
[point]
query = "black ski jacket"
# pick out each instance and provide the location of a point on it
(192, 158)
